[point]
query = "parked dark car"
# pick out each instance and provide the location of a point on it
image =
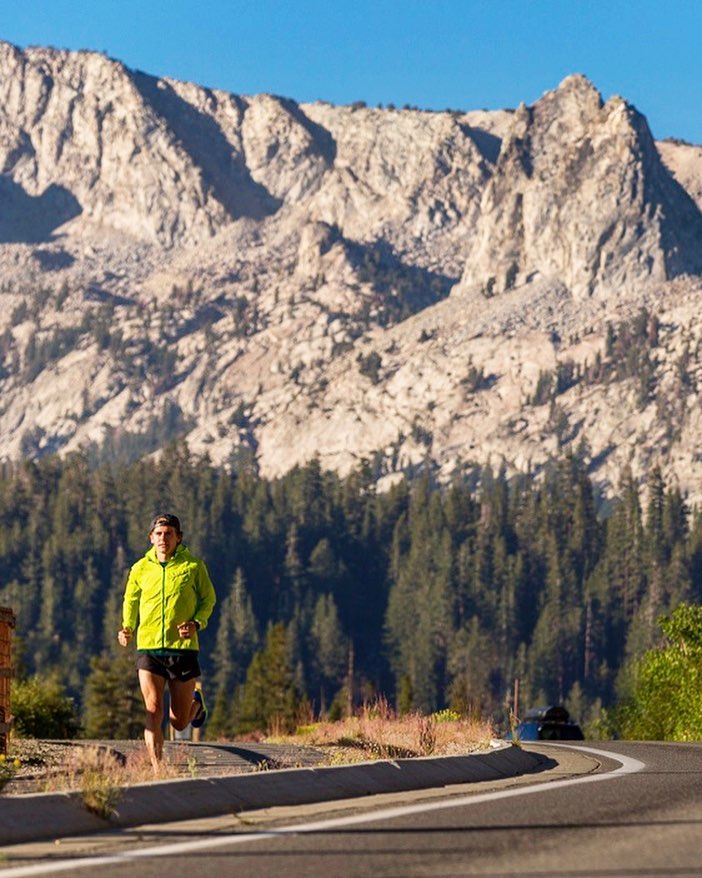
(551, 723)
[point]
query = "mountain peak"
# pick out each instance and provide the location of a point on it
(570, 188)
(578, 83)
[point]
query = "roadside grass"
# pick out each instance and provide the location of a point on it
(94, 772)
(99, 775)
(378, 732)
(8, 769)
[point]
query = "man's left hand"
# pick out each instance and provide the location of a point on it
(186, 629)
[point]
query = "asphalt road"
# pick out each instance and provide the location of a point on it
(637, 812)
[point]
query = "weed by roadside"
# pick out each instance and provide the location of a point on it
(378, 732)
(8, 769)
(92, 770)
(100, 787)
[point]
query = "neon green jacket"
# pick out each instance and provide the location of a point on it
(157, 598)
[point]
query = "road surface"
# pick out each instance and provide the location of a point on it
(637, 813)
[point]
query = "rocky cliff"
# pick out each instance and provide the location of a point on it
(283, 280)
(579, 194)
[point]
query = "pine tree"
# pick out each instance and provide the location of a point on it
(654, 533)
(471, 662)
(294, 573)
(419, 618)
(269, 699)
(236, 641)
(113, 706)
(329, 649)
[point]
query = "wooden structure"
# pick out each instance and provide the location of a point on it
(7, 623)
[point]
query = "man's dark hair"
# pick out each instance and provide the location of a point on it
(166, 520)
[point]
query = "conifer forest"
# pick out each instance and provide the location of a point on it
(332, 593)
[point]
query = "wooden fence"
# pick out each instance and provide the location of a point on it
(7, 623)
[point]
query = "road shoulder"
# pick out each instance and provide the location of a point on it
(59, 815)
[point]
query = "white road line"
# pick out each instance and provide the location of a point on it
(627, 766)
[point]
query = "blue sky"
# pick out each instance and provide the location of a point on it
(435, 54)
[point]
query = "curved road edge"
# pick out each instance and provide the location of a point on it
(40, 816)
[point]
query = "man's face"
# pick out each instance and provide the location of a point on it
(165, 539)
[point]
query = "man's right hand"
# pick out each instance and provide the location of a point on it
(124, 635)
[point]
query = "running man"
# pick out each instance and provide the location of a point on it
(170, 597)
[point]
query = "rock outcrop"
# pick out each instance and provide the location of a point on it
(579, 194)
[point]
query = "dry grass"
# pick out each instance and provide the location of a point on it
(96, 773)
(99, 776)
(377, 732)
(8, 769)
(84, 762)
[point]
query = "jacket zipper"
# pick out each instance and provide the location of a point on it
(163, 606)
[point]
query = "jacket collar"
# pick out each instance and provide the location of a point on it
(176, 556)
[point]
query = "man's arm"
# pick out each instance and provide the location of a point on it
(130, 604)
(206, 597)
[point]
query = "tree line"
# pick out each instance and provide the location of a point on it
(331, 592)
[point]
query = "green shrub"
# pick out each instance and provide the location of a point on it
(666, 699)
(42, 709)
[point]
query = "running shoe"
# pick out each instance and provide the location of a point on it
(200, 717)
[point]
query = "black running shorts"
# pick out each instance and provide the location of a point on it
(183, 666)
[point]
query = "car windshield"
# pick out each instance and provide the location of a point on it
(535, 731)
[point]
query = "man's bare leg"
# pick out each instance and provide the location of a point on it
(183, 707)
(152, 689)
